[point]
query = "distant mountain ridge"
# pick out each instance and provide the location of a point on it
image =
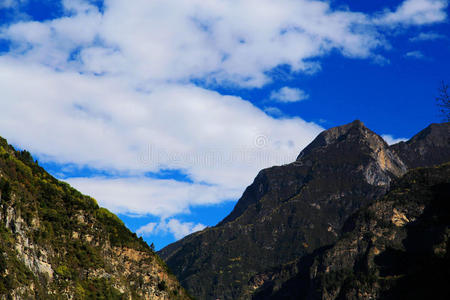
(56, 243)
(429, 146)
(290, 212)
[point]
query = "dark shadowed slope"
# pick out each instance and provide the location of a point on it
(428, 147)
(396, 248)
(289, 212)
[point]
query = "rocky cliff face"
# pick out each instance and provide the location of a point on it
(56, 243)
(291, 212)
(395, 248)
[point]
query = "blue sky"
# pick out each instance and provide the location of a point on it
(164, 111)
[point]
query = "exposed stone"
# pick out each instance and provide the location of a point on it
(398, 218)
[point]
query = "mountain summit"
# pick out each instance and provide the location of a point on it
(289, 212)
(355, 131)
(350, 150)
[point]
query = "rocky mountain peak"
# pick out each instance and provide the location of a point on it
(355, 132)
(356, 140)
(350, 149)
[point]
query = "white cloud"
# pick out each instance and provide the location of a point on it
(391, 140)
(158, 197)
(106, 124)
(287, 94)
(173, 226)
(427, 36)
(147, 229)
(415, 12)
(217, 41)
(415, 54)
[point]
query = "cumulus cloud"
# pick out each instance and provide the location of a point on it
(287, 94)
(217, 41)
(173, 226)
(104, 123)
(158, 197)
(391, 140)
(415, 12)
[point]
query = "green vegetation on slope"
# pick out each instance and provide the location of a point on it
(58, 243)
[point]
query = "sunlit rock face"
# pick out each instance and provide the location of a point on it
(56, 243)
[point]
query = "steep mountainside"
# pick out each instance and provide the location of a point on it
(56, 243)
(290, 212)
(427, 147)
(396, 248)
